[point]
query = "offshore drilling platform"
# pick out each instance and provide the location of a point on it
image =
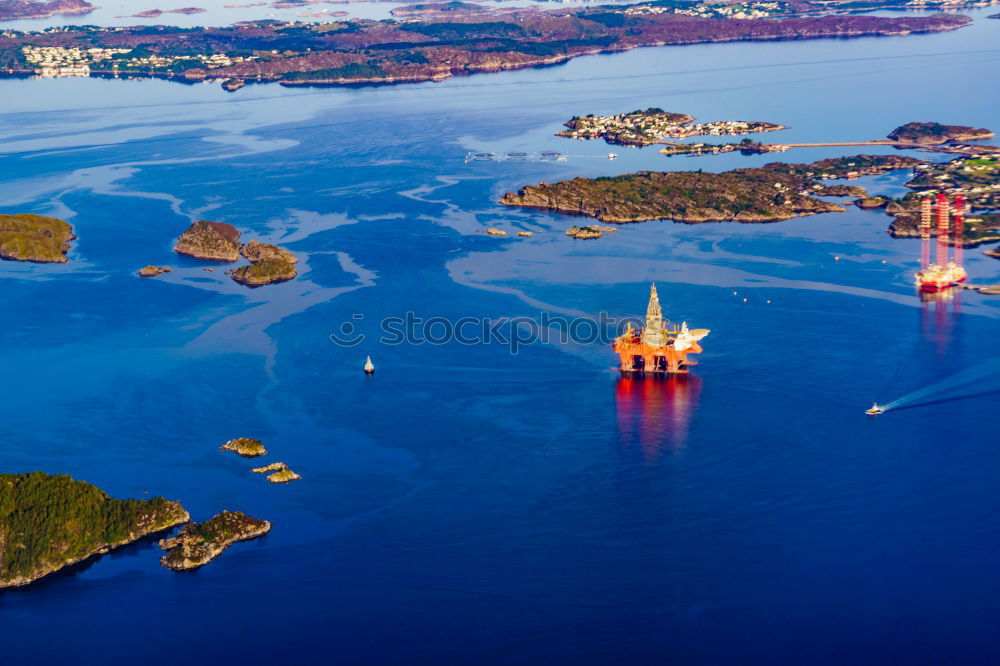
(944, 272)
(657, 350)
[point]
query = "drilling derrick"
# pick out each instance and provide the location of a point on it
(959, 229)
(925, 233)
(657, 349)
(943, 234)
(943, 273)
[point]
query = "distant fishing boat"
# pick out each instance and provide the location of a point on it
(369, 366)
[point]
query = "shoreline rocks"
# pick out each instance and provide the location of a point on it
(197, 544)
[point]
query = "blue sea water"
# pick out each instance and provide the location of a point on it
(467, 504)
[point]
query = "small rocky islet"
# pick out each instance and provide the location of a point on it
(197, 544)
(277, 472)
(51, 521)
(34, 238)
(218, 241)
(246, 447)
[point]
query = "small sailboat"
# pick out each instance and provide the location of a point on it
(369, 366)
(875, 409)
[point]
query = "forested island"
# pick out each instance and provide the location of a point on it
(774, 192)
(389, 51)
(48, 522)
(197, 544)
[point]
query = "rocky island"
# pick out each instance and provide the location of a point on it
(29, 9)
(389, 51)
(153, 271)
(35, 238)
(48, 522)
(770, 193)
(197, 544)
(216, 241)
(245, 446)
(277, 473)
(269, 264)
(653, 125)
(936, 133)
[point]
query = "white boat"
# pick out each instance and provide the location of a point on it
(875, 409)
(369, 366)
(612, 156)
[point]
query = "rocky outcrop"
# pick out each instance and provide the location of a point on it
(591, 231)
(283, 476)
(216, 241)
(34, 238)
(281, 473)
(48, 522)
(935, 133)
(245, 446)
(260, 273)
(269, 264)
(232, 85)
(153, 271)
(257, 251)
(197, 544)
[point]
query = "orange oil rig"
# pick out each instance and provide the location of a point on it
(657, 349)
(943, 273)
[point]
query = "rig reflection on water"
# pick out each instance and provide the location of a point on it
(656, 412)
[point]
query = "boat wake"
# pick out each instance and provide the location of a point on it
(975, 382)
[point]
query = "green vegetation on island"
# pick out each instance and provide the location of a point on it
(245, 446)
(26, 237)
(770, 193)
(48, 522)
(269, 264)
(197, 544)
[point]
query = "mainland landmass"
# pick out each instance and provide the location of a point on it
(197, 544)
(27, 9)
(976, 179)
(26, 237)
(245, 446)
(391, 51)
(48, 522)
(653, 125)
(774, 192)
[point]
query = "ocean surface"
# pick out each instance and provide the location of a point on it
(467, 504)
